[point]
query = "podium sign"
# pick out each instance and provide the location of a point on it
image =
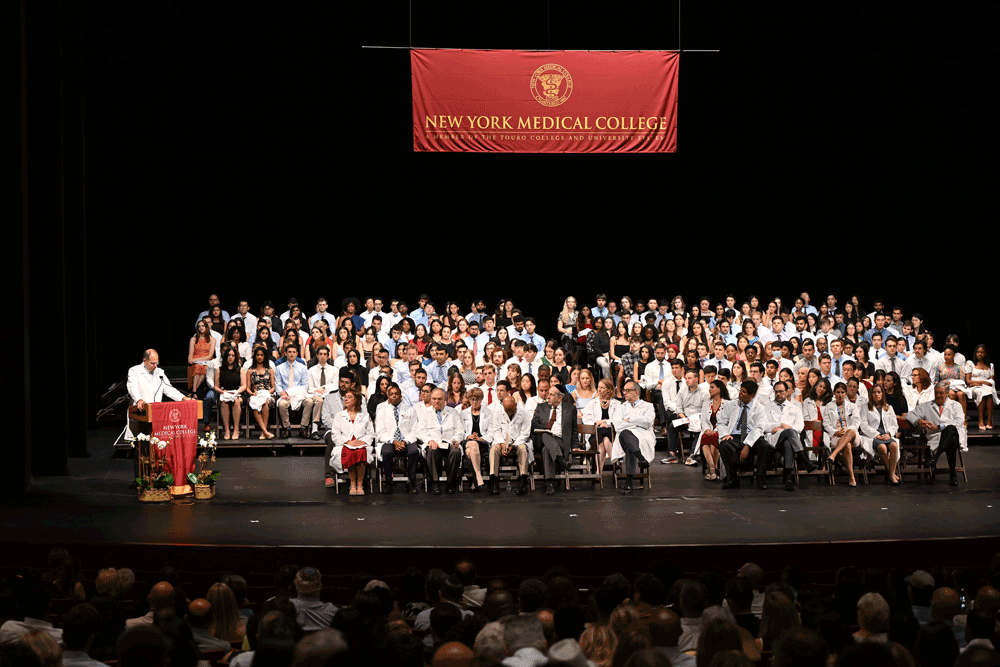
(176, 423)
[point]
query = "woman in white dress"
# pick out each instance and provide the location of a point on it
(878, 433)
(842, 422)
(981, 385)
(353, 435)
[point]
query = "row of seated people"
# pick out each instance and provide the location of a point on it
(774, 332)
(934, 617)
(670, 405)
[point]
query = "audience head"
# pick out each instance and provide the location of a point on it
(873, 613)
(308, 581)
(524, 631)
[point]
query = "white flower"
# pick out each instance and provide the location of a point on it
(161, 445)
(142, 436)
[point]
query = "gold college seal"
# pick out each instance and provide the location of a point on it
(551, 85)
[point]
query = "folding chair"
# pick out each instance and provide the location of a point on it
(820, 452)
(587, 467)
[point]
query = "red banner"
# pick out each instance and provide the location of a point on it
(176, 423)
(544, 101)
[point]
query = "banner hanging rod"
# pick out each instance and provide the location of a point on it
(445, 48)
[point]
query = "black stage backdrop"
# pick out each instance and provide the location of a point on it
(256, 150)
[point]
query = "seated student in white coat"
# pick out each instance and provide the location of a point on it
(441, 432)
(941, 422)
(635, 441)
(842, 423)
(878, 433)
(352, 435)
(510, 432)
(741, 437)
(600, 413)
(395, 435)
(708, 439)
(476, 425)
(783, 423)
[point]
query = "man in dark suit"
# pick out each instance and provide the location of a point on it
(554, 426)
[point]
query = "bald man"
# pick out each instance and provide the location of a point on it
(945, 603)
(199, 617)
(162, 596)
(452, 654)
(147, 383)
(510, 432)
(664, 632)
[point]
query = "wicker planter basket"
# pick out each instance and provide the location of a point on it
(204, 491)
(154, 495)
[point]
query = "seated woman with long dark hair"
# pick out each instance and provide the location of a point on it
(260, 378)
(236, 336)
(230, 384)
(264, 337)
(879, 428)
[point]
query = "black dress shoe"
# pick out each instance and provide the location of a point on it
(896, 483)
(954, 479)
(731, 484)
(759, 483)
(387, 487)
(316, 436)
(789, 485)
(436, 489)
(411, 487)
(522, 488)
(475, 487)
(304, 433)
(451, 489)
(643, 464)
(550, 489)
(627, 489)
(494, 485)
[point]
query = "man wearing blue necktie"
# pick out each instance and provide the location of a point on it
(741, 436)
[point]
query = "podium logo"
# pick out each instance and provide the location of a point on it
(175, 416)
(551, 85)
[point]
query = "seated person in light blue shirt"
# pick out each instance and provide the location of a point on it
(601, 309)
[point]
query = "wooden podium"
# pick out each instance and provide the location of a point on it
(145, 416)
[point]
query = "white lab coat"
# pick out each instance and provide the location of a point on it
(342, 430)
(450, 430)
(869, 427)
(385, 425)
(140, 388)
(952, 416)
(831, 420)
(640, 423)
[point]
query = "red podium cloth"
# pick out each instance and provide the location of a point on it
(177, 424)
(544, 102)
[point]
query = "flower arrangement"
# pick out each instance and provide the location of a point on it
(153, 463)
(204, 478)
(154, 480)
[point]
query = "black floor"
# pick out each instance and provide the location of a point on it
(265, 500)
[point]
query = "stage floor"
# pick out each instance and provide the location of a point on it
(281, 501)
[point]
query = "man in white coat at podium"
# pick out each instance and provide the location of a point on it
(147, 383)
